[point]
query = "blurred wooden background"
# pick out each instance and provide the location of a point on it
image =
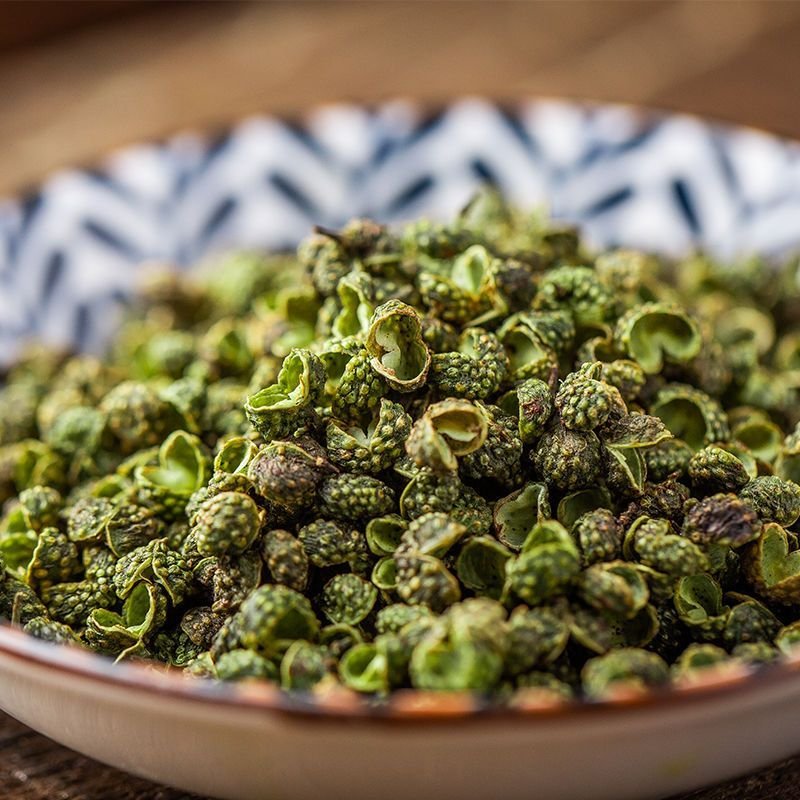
(80, 78)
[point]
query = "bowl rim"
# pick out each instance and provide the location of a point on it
(404, 705)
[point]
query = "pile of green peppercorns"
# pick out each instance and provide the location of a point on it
(466, 456)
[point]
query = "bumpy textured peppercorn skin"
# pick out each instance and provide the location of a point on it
(219, 482)
(658, 547)
(549, 560)
(88, 517)
(41, 506)
(476, 369)
(348, 599)
(750, 621)
(440, 336)
(154, 563)
(328, 544)
(54, 559)
(71, 603)
(99, 564)
(671, 636)
(201, 624)
(539, 574)
(583, 401)
(270, 618)
(755, 653)
(79, 434)
(773, 499)
(289, 473)
(430, 491)
(436, 239)
(226, 523)
(457, 290)
(567, 459)
(631, 431)
(60, 418)
(129, 527)
(432, 534)
(425, 580)
(592, 631)
(174, 648)
(50, 630)
(614, 588)
(351, 497)
(599, 536)
(721, 519)
(555, 328)
(537, 637)
(666, 500)
(230, 579)
(714, 469)
(499, 458)
(670, 457)
(326, 260)
(472, 511)
(18, 602)
(360, 388)
(577, 289)
(393, 618)
(285, 558)
(626, 376)
(136, 416)
(373, 451)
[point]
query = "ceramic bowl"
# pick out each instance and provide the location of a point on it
(69, 253)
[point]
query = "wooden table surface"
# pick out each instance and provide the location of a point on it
(81, 79)
(68, 98)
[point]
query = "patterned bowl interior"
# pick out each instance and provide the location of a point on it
(669, 183)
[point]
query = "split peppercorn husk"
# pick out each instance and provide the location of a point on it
(465, 456)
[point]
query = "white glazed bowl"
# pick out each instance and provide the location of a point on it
(252, 742)
(68, 257)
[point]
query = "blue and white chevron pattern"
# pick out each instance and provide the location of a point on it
(69, 254)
